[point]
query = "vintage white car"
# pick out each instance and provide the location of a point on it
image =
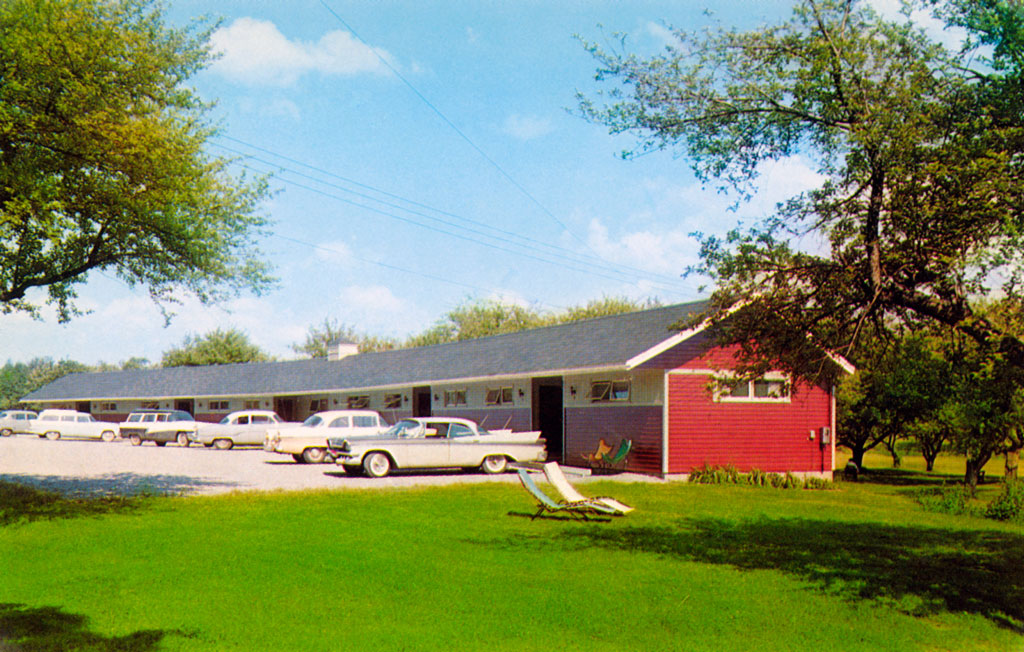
(307, 443)
(13, 422)
(54, 424)
(436, 442)
(243, 428)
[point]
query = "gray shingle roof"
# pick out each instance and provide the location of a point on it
(593, 343)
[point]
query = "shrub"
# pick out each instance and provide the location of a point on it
(1008, 505)
(756, 478)
(945, 500)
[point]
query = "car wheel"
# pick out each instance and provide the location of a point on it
(223, 444)
(299, 458)
(351, 469)
(107, 435)
(6, 432)
(183, 439)
(160, 443)
(376, 465)
(135, 440)
(494, 464)
(314, 455)
(53, 435)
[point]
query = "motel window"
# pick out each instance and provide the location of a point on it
(108, 407)
(392, 401)
(251, 405)
(318, 405)
(150, 405)
(358, 402)
(454, 397)
(499, 396)
(219, 406)
(759, 390)
(605, 391)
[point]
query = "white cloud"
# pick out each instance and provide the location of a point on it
(527, 127)
(336, 251)
(950, 37)
(255, 52)
(664, 35)
(373, 298)
(664, 252)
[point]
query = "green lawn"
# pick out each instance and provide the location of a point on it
(862, 567)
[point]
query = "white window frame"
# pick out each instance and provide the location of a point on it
(499, 396)
(453, 397)
(609, 396)
(724, 384)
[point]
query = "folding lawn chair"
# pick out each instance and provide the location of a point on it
(620, 455)
(546, 504)
(573, 497)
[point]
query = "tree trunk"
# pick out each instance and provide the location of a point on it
(1012, 460)
(857, 456)
(929, 461)
(972, 474)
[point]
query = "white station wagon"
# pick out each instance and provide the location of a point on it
(54, 424)
(13, 422)
(307, 443)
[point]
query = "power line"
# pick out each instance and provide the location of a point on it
(407, 220)
(456, 129)
(677, 285)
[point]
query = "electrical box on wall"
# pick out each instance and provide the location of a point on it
(826, 436)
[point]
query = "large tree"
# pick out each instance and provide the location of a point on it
(216, 347)
(919, 148)
(320, 338)
(103, 163)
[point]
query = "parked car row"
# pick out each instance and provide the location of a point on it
(360, 441)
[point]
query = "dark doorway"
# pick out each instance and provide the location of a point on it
(83, 406)
(548, 415)
(421, 402)
(285, 408)
(185, 404)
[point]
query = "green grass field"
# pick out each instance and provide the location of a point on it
(862, 567)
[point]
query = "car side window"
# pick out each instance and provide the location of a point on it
(243, 420)
(364, 422)
(260, 418)
(68, 417)
(459, 430)
(340, 422)
(148, 417)
(84, 419)
(437, 430)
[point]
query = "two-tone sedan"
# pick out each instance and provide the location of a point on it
(436, 442)
(242, 428)
(307, 443)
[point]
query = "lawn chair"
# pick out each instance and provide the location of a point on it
(573, 497)
(603, 448)
(546, 504)
(620, 455)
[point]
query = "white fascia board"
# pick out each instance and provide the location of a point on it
(677, 339)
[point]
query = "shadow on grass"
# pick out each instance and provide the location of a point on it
(48, 629)
(901, 478)
(114, 484)
(24, 503)
(920, 571)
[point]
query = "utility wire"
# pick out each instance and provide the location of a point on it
(458, 131)
(676, 284)
(324, 193)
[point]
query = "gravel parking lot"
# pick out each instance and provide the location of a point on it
(93, 468)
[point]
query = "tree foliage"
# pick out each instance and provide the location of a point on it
(319, 339)
(216, 347)
(18, 379)
(924, 184)
(103, 163)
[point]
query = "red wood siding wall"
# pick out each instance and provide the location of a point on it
(585, 427)
(773, 437)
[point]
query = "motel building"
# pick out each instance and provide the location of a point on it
(587, 386)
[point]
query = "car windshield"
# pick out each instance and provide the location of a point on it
(225, 421)
(313, 421)
(404, 428)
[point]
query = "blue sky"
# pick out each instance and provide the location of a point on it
(400, 196)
